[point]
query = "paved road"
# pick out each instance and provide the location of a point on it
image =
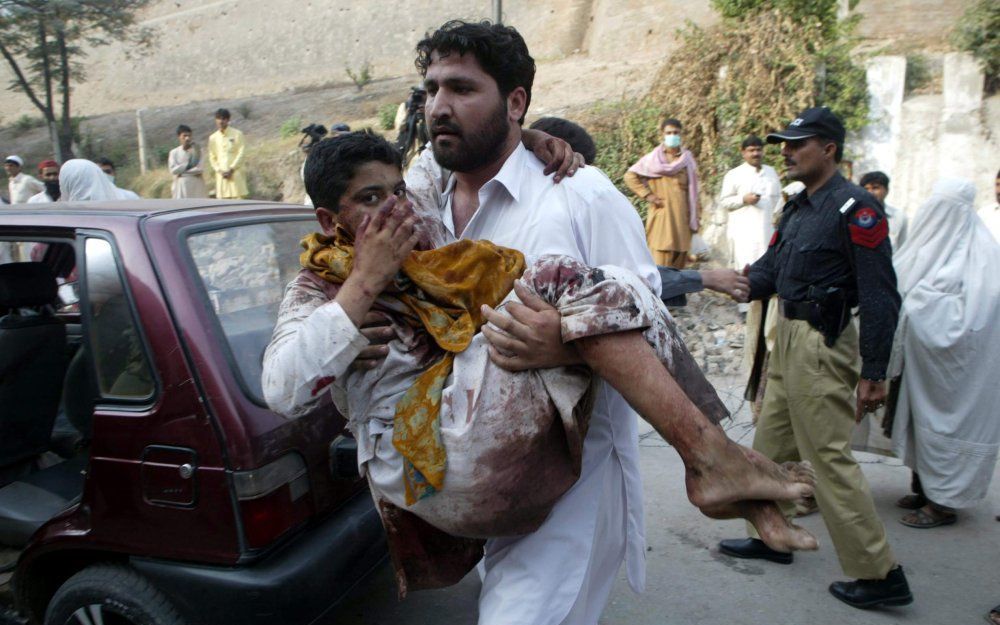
(954, 571)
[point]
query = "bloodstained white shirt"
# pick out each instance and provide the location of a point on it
(587, 218)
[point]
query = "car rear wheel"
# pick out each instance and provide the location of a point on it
(108, 594)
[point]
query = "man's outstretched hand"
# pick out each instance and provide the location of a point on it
(728, 282)
(527, 335)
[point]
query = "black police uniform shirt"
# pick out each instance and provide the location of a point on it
(810, 248)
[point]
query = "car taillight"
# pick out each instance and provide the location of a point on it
(273, 499)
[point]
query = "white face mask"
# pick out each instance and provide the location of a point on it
(111, 177)
(672, 141)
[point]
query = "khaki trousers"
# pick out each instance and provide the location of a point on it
(808, 414)
(670, 258)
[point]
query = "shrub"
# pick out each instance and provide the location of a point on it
(752, 75)
(362, 76)
(918, 73)
(244, 109)
(387, 116)
(291, 127)
(623, 132)
(978, 33)
(24, 123)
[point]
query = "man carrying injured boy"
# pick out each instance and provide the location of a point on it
(454, 447)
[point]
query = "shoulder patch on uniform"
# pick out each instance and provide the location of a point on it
(867, 227)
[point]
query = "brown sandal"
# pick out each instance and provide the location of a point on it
(922, 519)
(911, 502)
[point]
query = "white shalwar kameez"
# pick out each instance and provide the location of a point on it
(41, 198)
(897, 226)
(750, 225)
(22, 186)
(946, 427)
(991, 217)
(188, 182)
(564, 572)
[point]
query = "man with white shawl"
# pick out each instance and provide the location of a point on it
(945, 425)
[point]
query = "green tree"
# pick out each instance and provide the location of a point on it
(978, 32)
(823, 10)
(753, 72)
(44, 41)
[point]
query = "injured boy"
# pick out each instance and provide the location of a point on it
(455, 448)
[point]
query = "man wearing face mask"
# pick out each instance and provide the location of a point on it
(667, 179)
(829, 254)
(108, 167)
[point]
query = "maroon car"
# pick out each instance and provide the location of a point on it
(142, 477)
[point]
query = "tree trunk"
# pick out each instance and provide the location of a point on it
(66, 123)
(50, 118)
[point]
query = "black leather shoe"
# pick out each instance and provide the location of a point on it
(753, 549)
(874, 593)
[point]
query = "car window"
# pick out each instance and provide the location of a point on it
(59, 257)
(245, 269)
(122, 366)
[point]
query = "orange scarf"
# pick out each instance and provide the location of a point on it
(443, 290)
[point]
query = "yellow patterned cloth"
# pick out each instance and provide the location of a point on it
(443, 290)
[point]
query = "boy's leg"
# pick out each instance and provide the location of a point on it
(603, 310)
(723, 479)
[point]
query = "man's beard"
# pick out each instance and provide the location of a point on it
(470, 152)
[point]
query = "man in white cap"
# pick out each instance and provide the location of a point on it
(20, 185)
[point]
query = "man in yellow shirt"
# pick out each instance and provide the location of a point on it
(226, 154)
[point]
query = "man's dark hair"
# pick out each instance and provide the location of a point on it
(183, 128)
(333, 162)
(874, 177)
(223, 114)
(998, 174)
(752, 140)
(571, 133)
(500, 51)
(104, 161)
(670, 121)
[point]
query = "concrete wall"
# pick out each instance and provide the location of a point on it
(211, 49)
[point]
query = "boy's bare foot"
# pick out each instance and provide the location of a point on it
(730, 473)
(774, 529)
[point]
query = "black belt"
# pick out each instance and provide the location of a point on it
(796, 310)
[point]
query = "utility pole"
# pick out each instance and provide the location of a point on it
(143, 154)
(497, 11)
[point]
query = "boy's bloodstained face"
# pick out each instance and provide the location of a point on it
(373, 184)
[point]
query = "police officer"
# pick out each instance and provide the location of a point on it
(830, 254)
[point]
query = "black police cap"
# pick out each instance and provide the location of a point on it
(818, 121)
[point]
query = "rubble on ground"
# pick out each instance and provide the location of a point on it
(712, 328)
